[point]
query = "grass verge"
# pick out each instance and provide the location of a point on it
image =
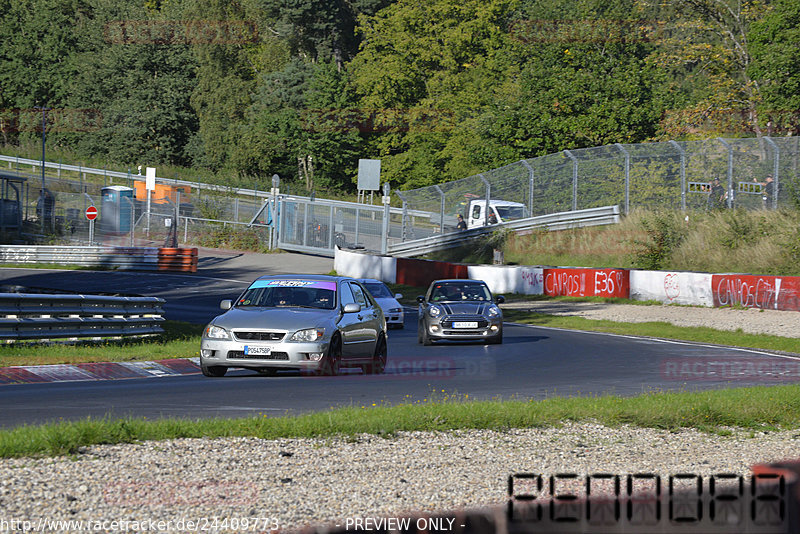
(754, 409)
(663, 330)
(179, 340)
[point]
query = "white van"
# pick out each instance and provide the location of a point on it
(500, 211)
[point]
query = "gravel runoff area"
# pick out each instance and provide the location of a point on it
(292, 483)
(751, 320)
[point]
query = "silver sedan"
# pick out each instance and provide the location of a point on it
(459, 310)
(314, 323)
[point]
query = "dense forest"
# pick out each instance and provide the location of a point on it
(436, 89)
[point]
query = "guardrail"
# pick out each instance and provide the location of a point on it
(553, 221)
(136, 258)
(47, 316)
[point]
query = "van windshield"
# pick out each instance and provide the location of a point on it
(509, 213)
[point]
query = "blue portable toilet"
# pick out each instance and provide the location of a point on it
(115, 208)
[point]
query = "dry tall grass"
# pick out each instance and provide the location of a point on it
(763, 242)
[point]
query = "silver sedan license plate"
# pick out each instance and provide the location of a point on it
(257, 351)
(465, 324)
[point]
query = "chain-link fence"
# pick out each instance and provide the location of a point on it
(753, 173)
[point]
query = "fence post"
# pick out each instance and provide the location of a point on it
(486, 200)
(441, 208)
(574, 179)
(775, 171)
(330, 243)
(730, 170)
(133, 218)
(358, 216)
(627, 176)
(404, 216)
(682, 152)
(305, 224)
(385, 233)
(530, 187)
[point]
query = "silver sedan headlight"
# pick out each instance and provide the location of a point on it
(494, 311)
(216, 332)
(309, 334)
(434, 311)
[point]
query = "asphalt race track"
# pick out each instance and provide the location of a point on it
(533, 362)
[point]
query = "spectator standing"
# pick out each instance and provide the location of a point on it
(716, 195)
(767, 191)
(462, 225)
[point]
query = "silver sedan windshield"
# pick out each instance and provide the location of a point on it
(276, 294)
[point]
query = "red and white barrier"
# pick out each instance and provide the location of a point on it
(362, 265)
(504, 279)
(672, 287)
(696, 289)
(751, 291)
(587, 282)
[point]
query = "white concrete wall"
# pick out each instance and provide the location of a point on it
(672, 287)
(664, 286)
(360, 265)
(509, 278)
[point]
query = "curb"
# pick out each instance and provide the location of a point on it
(35, 374)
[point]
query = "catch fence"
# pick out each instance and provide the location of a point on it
(675, 175)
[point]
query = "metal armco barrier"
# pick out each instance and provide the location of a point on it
(48, 316)
(554, 221)
(135, 258)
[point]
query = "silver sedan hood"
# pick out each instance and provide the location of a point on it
(287, 319)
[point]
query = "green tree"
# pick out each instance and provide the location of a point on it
(225, 79)
(139, 87)
(705, 46)
(775, 49)
(424, 68)
(37, 40)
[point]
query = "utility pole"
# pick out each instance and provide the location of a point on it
(42, 197)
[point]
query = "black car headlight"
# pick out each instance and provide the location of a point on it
(434, 311)
(493, 311)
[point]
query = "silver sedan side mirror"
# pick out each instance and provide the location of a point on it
(226, 305)
(352, 307)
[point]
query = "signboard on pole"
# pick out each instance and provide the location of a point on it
(369, 174)
(150, 179)
(91, 213)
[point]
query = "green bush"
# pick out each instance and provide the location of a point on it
(664, 234)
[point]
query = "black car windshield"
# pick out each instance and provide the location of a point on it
(378, 290)
(449, 292)
(290, 294)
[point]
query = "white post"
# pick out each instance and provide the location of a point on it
(149, 186)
